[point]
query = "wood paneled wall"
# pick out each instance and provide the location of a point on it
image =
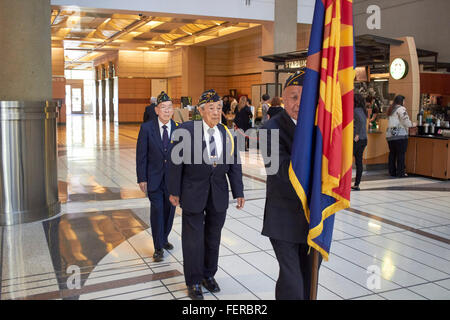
(242, 83)
(58, 61)
(142, 64)
(174, 64)
(234, 65)
(437, 83)
(174, 90)
(303, 33)
(134, 96)
(59, 81)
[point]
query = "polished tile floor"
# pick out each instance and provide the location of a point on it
(100, 245)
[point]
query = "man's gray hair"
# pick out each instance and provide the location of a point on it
(202, 106)
(153, 100)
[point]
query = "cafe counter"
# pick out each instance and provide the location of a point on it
(429, 156)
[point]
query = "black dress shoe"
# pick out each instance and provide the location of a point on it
(211, 284)
(158, 255)
(195, 292)
(168, 246)
(356, 188)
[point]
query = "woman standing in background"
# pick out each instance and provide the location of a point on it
(275, 107)
(265, 107)
(359, 136)
(397, 136)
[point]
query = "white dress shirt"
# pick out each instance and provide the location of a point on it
(217, 139)
(295, 121)
(161, 129)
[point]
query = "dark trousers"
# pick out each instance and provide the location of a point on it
(294, 280)
(397, 152)
(161, 216)
(358, 150)
(200, 238)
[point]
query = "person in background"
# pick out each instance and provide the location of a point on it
(370, 104)
(152, 156)
(275, 107)
(242, 118)
(359, 136)
(397, 136)
(233, 104)
(243, 114)
(149, 113)
(226, 108)
(265, 107)
(252, 110)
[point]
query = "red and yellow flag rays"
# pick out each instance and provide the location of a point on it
(333, 118)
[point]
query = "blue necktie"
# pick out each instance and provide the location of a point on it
(165, 138)
(212, 143)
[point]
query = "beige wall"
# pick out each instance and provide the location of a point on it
(427, 21)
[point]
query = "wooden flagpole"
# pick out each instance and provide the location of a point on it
(314, 274)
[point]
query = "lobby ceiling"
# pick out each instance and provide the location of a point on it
(87, 35)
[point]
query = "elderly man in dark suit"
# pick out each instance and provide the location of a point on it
(200, 186)
(152, 156)
(284, 219)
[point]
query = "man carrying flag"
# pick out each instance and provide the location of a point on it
(284, 220)
(320, 170)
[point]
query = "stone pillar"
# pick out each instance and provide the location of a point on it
(285, 30)
(111, 91)
(279, 37)
(28, 172)
(409, 87)
(25, 58)
(97, 93)
(267, 42)
(104, 92)
(193, 72)
(285, 26)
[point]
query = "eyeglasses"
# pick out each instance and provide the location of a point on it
(166, 108)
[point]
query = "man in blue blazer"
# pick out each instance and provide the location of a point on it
(152, 158)
(198, 183)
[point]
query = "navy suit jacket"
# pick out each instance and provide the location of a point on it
(284, 218)
(151, 160)
(195, 183)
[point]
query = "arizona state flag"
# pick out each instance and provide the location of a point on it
(321, 161)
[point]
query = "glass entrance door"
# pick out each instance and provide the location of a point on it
(77, 100)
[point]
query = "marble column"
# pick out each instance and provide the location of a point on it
(28, 172)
